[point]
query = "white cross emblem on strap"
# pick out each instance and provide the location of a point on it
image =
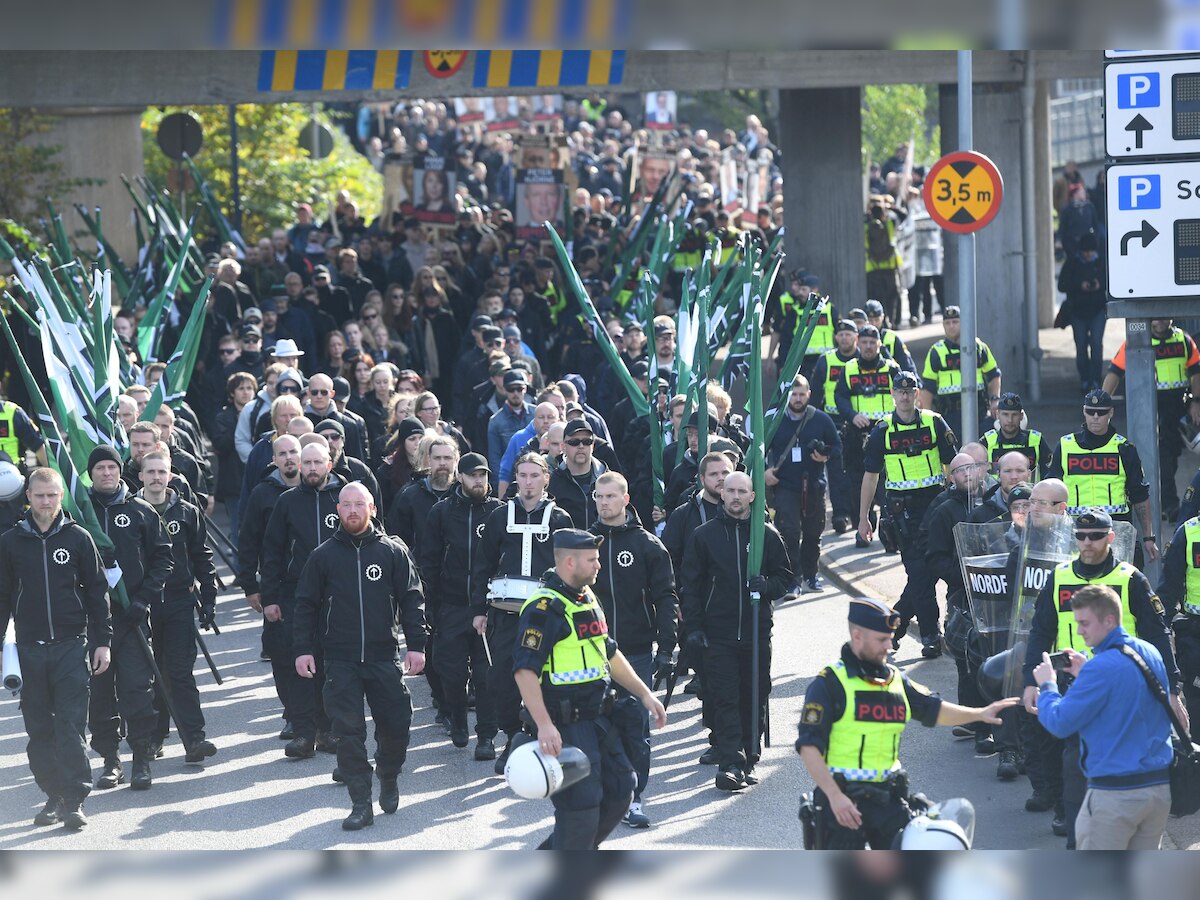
(528, 532)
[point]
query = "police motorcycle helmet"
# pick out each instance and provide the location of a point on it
(991, 673)
(12, 482)
(534, 775)
(946, 826)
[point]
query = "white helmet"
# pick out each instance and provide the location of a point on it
(946, 826)
(535, 775)
(12, 482)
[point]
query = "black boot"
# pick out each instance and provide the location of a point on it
(199, 750)
(459, 736)
(360, 817)
(112, 775)
(389, 793)
(140, 778)
(300, 748)
(502, 761)
(485, 749)
(73, 817)
(51, 813)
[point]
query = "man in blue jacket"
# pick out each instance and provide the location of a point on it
(1123, 728)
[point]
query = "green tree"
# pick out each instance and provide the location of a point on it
(30, 171)
(274, 172)
(895, 113)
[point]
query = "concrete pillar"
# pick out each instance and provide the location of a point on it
(102, 145)
(821, 139)
(999, 274)
(1044, 204)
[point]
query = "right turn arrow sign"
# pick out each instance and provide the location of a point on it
(1147, 233)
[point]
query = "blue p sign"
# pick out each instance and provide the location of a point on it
(1139, 192)
(1137, 90)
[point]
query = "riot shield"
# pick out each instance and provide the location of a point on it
(1125, 542)
(983, 555)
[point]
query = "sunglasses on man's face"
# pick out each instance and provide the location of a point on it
(1096, 412)
(288, 389)
(580, 442)
(318, 392)
(1091, 535)
(370, 317)
(229, 351)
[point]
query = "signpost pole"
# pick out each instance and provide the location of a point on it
(1141, 411)
(966, 266)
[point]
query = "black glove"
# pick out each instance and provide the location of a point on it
(137, 612)
(758, 585)
(698, 640)
(663, 667)
(208, 616)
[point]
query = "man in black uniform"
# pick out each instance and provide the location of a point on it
(348, 468)
(562, 663)
(54, 561)
(912, 447)
(636, 589)
(409, 511)
(574, 479)
(719, 620)
(304, 518)
(452, 536)
(515, 550)
(356, 590)
(171, 614)
(144, 437)
(142, 557)
(850, 746)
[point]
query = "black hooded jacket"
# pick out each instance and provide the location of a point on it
(449, 544)
(142, 547)
(410, 510)
(500, 552)
(193, 558)
(303, 519)
(254, 518)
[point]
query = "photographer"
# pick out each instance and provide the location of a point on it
(796, 471)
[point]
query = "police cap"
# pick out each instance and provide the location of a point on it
(951, 312)
(845, 325)
(874, 308)
(904, 380)
(1094, 518)
(857, 314)
(473, 462)
(868, 331)
(576, 539)
(874, 615)
(1010, 402)
(1097, 400)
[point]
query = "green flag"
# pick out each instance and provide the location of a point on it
(173, 385)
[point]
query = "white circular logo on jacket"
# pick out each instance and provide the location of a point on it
(331, 521)
(121, 520)
(542, 538)
(479, 530)
(61, 556)
(625, 559)
(172, 528)
(374, 572)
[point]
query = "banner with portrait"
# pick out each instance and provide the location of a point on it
(541, 197)
(501, 113)
(470, 109)
(660, 110)
(433, 183)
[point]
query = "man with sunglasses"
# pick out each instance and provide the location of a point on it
(321, 406)
(573, 481)
(1054, 629)
(1102, 470)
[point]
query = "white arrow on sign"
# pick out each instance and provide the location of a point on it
(1152, 107)
(1153, 213)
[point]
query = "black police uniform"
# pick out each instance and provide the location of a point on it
(354, 594)
(125, 692)
(303, 519)
(452, 536)
(586, 812)
(883, 806)
(719, 618)
(171, 616)
(1172, 589)
(500, 554)
(61, 619)
(636, 590)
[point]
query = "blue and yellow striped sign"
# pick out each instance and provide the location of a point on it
(334, 70)
(548, 68)
(525, 23)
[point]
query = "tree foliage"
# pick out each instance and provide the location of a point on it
(274, 172)
(895, 113)
(30, 171)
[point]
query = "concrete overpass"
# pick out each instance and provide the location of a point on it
(100, 94)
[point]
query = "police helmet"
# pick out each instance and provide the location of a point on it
(924, 833)
(12, 482)
(991, 675)
(535, 775)
(958, 627)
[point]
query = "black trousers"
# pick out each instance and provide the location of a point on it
(882, 821)
(381, 684)
(501, 686)
(919, 597)
(800, 518)
(301, 696)
(54, 704)
(125, 692)
(1187, 655)
(1012, 731)
(920, 300)
(969, 693)
(727, 688)
(587, 812)
(460, 656)
(840, 491)
(175, 653)
(1044, 760)
(1074, 784)
(432, 672)
(1170, 446)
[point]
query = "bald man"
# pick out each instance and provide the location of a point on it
(1012, 468)
(303, 519)
(356, 592)
(321, 406)
(545, 414)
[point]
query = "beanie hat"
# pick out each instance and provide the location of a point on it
(100, 454)
(409, 426)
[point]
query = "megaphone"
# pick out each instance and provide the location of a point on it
(12, 482)
(535, 775)
(11, 665)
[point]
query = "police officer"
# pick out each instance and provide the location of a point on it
(913, 448)
(854, 713)
(304, 518)
(863, 397)
(942, 376)
(18, 434)
(49, 558)
(355, 592)
(171, 614)
(563, 661)
(824, 381)
(142, 554)
(1009, 436)
(791, 307)
(1179, 589)
(515, 550)
(1177, 391)
(452, 535)
(1053, 629)
(636, 590)
(1102, 470)
(796, 462)
(891, 343)
(719, 620)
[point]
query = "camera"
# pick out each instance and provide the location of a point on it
(816, 445)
